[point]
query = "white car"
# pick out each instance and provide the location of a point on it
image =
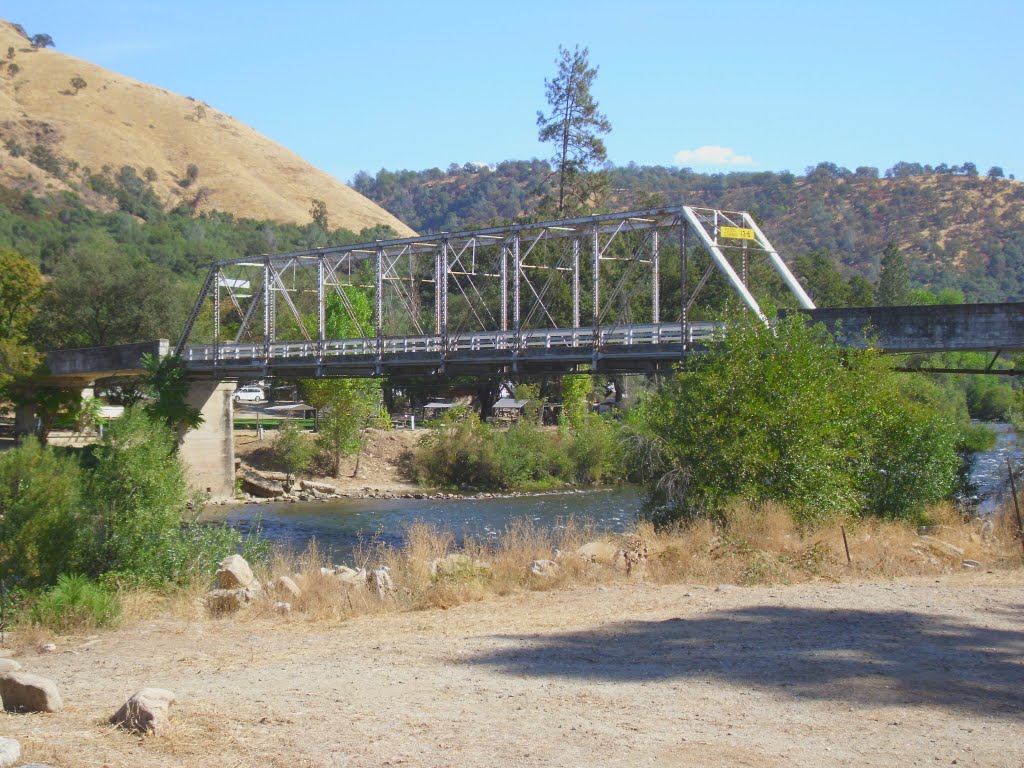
(250, 394)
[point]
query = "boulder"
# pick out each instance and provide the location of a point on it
(599, 552)
(546, 568)
(235, 573)
(257, 485)
(282, 607)
(940, 547)
(284, 586)
(311, 487)
(380, 582)
(351, 577)
(456, 564)
(10, 751)
(9, 665)
(147, 711)
(228, 600)
(23, 692)
(48, 648)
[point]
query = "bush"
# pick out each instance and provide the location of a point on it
(784, 414)
(293, 450)
(43, 529)
(76, 603)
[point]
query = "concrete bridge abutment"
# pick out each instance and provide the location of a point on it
(209, 450)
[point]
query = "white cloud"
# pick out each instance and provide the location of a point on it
(712, 155)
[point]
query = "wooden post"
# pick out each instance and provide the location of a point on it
(846, 545)
(1016, 504)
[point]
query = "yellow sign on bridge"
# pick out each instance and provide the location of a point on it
(737, 233)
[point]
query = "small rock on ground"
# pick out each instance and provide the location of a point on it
(24, 692)
(10, 751)
(147, 711)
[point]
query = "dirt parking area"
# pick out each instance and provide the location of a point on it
(895, 673)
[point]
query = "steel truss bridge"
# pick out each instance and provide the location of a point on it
(546, 298)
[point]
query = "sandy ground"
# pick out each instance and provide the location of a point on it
(380, 466)
(895, 673)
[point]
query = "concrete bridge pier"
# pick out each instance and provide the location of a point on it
(209, 451)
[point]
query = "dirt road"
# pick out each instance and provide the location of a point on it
(896, 673)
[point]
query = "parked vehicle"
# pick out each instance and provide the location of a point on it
(250, 394)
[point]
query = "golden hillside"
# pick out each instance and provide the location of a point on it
(116, 121)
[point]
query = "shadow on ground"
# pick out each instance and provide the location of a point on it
(858, 656)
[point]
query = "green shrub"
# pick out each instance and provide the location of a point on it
(43, 530)
(293, 450)
(74, 604)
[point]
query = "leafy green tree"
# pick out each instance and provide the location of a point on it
(293, 450)
(44, 530)
(894, 279)
(318, 212)
(20, 290)
(573, 125)
(42, 41)
(165, 380)
(784, 414)
(575, 393)
(100, 296)
(822, 280)
(78, 83)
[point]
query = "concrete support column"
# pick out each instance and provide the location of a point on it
(209, 451)
(25, 420)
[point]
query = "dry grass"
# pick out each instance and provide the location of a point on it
(758, 546)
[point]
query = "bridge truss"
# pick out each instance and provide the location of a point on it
(550, 297)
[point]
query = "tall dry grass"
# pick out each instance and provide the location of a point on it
(758, 546)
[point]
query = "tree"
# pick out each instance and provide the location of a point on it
(318, 212)
(42, 41)
(894, 279)
(822, 280)
(995, 172)
(573, 124)
(785, 414)
(165, 380)
(20, 289)
(292, 450)
(78, 83)
(100, 296)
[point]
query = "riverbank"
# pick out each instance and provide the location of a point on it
(882, 673)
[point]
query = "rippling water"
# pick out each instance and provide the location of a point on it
(339, 525)
(988, 471)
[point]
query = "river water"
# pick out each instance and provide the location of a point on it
(341, 525)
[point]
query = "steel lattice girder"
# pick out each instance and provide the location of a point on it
(516, 279)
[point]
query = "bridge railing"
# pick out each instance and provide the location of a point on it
(501, 343)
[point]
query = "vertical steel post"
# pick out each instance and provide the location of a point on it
(268, 309)
(516, 269)
(378, 315)
(216, 315)
(443, 263)
(504, 285)
(655, 279)
(575, 282)
(437, 292)
(321, 305)
(684, 287)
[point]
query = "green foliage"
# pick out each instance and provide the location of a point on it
(76, 604)
(575, 398)
(21, 286)
(165, 379)
(44, 530)
(464, 452)
(293, 450)
(78, 83)
(573, 128)
(784, 414)
(893, 279)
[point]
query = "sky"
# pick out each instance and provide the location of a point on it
(769, 85)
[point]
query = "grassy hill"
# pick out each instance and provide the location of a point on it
(69, 125)
(957, 229)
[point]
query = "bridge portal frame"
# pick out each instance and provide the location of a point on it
(505, 284)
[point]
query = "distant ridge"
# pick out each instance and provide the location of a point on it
(56, 131)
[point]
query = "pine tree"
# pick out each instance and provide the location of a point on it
(894, 279)
(573, 125)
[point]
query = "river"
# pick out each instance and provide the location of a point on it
(339, 526)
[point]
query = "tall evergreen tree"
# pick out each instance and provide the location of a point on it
(894, 279)
(573, 125)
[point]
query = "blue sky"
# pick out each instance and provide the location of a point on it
(727, 86)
